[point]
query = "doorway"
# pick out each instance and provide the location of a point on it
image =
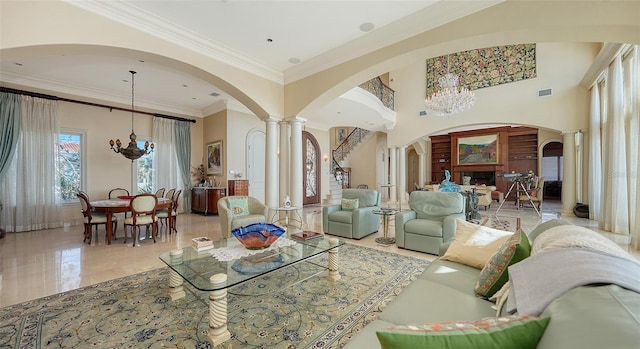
(552, 163)
(256, 167)
(311, 169)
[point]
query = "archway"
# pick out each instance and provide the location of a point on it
(311, 174)
(551, 170)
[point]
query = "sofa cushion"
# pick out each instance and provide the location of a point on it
(495, 332)
(474, 244)
(350, 204)
(366, 197)
(423, 227)
(591, 317)
(239, 206)
(341, 217)
(435, 205)
(428, 301)
(494, 274)
(455, 275)
(542, 227)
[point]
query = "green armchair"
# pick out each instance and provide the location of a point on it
(431, 221)
(357, 223)
(257, 213)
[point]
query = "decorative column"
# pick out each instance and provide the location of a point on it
(283, 158)
(402, 175)
(568, 173)
(334, 275)
(218, 332)
(271, 196)
(392, 176)
(295, 179)
(176, 291)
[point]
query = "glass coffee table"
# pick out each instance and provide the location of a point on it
(206, 273)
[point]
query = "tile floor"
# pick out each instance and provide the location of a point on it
(40, 263)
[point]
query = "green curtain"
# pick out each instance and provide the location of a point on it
(9, 129)
(183, 152)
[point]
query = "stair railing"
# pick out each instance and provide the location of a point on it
(340, 153)
(384, 93)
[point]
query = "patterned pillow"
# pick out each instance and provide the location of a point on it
(522, 332)
(350, 204)
(239, 206)
(494, 274)
(474, 245)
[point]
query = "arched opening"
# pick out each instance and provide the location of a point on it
(311, 169)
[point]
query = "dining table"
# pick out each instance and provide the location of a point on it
(119, 205)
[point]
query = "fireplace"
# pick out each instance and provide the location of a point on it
(480, 177)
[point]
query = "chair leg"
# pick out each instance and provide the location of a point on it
(134, 234)
(154, 231)
(85, 234)
(115, 230)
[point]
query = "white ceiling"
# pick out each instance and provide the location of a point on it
(317, 33)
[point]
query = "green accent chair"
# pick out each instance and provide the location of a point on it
(431, 221)
(357, 223)
(258, 213)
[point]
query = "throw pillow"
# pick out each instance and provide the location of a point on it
(474, 245)
(494, 274)
(239, 206)
(520, 332)
(350, 204)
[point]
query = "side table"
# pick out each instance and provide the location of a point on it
(287, 215)
(385, 213)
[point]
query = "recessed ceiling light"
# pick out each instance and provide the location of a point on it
(367, 26)
(269, 40)
(294, 60)
(185, 85)
(18, 64)
(214, 94)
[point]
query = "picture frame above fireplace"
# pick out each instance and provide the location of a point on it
(478, 150)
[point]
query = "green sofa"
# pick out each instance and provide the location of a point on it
(431, 221)
(357, 223)
(586, 317)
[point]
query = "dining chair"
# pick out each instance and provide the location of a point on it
(113, 194)
(91, 218)
(163, 215)
(169, 194)
(160, 192)
(143, 213)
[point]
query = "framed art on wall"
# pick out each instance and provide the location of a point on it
(341, 134)
(214, 158)
(478, 150)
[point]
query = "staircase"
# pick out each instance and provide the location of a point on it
(341, 153)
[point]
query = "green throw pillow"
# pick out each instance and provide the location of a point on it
(239, 206)
(517, 332)
(494, 274)
(350, 204)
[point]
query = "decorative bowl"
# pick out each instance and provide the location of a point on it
(258, 235)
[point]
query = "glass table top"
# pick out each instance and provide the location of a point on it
(197, 267)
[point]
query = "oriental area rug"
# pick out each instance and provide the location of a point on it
(136, 312)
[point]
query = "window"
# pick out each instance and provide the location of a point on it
(144, 172)
(70, 165)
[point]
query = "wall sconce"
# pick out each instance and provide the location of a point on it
(325, 157)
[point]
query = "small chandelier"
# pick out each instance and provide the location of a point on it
(131, 151)
(449, 99)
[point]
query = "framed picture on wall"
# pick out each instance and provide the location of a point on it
(214, 158)
(341, 134)
(478, 150)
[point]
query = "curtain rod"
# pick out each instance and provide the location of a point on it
(56, 98)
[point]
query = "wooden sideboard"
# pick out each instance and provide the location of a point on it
(238, 187)
(205, 199)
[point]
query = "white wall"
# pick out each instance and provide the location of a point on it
(560, 66)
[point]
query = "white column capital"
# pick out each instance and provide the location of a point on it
(295, 120)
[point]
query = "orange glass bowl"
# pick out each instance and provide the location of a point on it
(258, 235)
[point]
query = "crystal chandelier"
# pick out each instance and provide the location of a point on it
(449, 99)
(131, 151)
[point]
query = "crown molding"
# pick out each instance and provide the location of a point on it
(146, 22)
(62, 87)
